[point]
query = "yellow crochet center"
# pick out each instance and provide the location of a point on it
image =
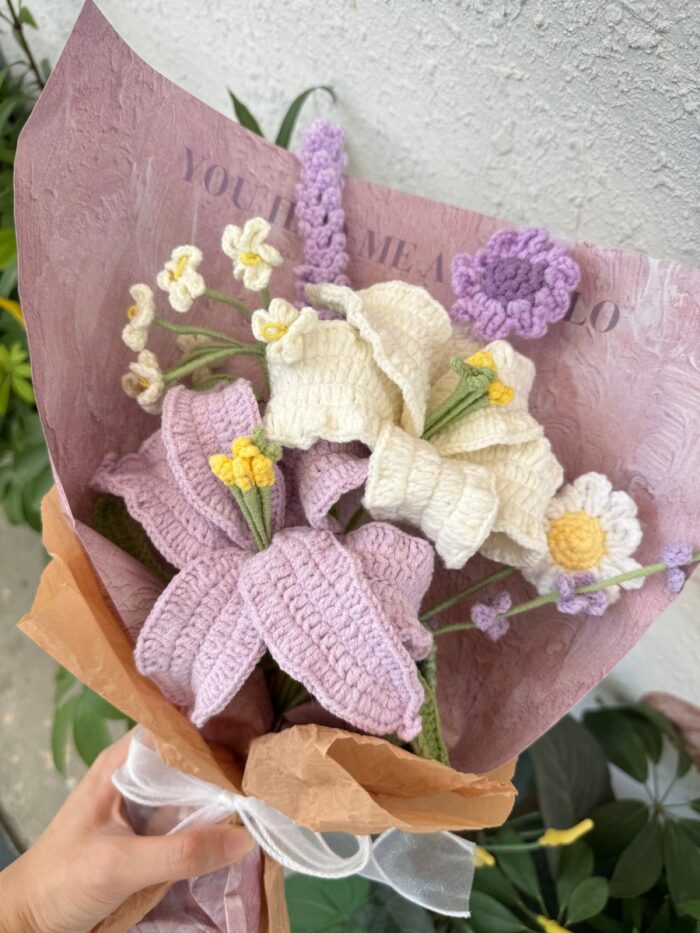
(273, 330)
(263, 471)
(576, 541)
(500, 394)
(251, 259)
(222, 468)
(144, 383)
(482, 358)
(249, 466)
(179, 269)
(131, 311)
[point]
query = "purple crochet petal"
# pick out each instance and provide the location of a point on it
(197, 643)
(309, 599)
(399, 568)
(323, 474)
(199, 424)
(146, 484)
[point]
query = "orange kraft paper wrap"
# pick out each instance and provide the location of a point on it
(325, 779)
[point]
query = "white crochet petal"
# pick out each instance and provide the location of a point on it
(452, 502)
(407, 330)
(594, 491)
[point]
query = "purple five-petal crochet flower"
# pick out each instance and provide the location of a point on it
(573, 603)
(676, 556)
(520, 281)
(338, 613)
(485, 615)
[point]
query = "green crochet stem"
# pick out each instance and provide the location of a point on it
(470, 391)
(467, 591)
(547, 598)
(430, 743)
(251, 505)
(192, 329)
(207, 359)
(212, 381)
(229, 300)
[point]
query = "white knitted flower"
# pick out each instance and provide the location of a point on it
(282, 327)
(145, 383)
(180, 279)
(253, 258)
(140, 315)
(589, 527)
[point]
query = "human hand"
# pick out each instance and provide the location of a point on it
(89, 860)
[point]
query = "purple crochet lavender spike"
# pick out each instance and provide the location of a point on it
(485, 615)
(309, 599)
(520, 281)
(676, 556)
(319, 207)
(572, 603)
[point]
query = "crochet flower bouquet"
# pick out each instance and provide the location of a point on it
(314, 534)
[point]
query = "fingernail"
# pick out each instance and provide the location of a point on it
(238, 842)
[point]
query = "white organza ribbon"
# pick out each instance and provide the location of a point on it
(434, 870)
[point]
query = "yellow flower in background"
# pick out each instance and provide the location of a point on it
(145, 382)
(180, 279)
(550, 926)
(253, 258)
(282, 327)
(565, 837)
(139, 317)
(483, 858)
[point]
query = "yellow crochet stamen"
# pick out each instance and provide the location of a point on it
(577, 541)
(131, 311)
(273, 330)
(222, 468)
(482, 358)
(565, 837)
(550, 926)
(263, 471)
(483, 858)
(500, 394)
(250, 466)
(179, 269)
(251, 259)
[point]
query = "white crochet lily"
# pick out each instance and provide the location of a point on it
(589, 527)
(140, 317)
(145, 383)
(253, 258)
(282, 327)
(180, 279)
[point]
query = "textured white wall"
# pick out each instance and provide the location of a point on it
(582, 115)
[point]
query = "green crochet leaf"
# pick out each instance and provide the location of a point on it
(430, 743)
(112, 520)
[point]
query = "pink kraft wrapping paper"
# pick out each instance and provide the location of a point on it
(117, 166)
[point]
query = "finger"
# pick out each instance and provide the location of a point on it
(187, 854)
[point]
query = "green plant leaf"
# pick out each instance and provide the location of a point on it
(244, 116)
(571, 772)
(23, 389)
(606, 924)
(587, 899)
(518, 866)
(488, 916)
(575, 866)
(621, 741)
(682, 863)
(8, 247)
(639, 866)
(64, 680)
(317, 904)
(90, 732)
(26, 17)
(63, 718)
(491, 880)
(662, 921)
(284, 134)
(615, 826)
(388, 912)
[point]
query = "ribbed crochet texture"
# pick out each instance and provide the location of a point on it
(319, 207)
(338, 613)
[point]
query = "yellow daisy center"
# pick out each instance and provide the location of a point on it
(131, 312)
(273, 330)
(577, 541)
(179, 269)
(251, 259)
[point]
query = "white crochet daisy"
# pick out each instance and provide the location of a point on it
(145, 383)
(140, 317)
(282, 327)
(180, 279)
(590, 527)
(253, 258)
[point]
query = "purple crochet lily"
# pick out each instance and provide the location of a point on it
(338, 613)
(520, 281)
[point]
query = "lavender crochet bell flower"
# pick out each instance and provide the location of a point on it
(573, 603)
(338, 613)
(675, 556)
(519, 282)
(485, 615)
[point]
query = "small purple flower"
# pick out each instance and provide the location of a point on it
(485, 616)
(675, 556)
(319, 207)
(520, 281)
(573, 603)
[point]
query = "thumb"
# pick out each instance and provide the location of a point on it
(187, 854)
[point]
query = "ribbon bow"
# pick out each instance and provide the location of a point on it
(434, 870)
